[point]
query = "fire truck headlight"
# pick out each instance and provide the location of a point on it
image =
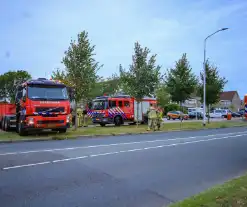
(30, 121)
(67, 118)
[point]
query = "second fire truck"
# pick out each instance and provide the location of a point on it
(119, 110)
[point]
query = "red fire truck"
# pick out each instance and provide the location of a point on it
(245, 106)
(119, 109)
(40, 104)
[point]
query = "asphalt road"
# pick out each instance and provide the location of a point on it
(141, 170)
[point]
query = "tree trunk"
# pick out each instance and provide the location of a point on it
(76, 116)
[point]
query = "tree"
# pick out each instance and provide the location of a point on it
(180, 81)
(143, 75)
(214, 85)
(9, 82)
(81, 67)
(61, 76)
(107, 86)
(163, 97)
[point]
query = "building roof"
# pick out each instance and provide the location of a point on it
(227, 95)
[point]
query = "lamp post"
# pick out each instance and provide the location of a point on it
(204, 76)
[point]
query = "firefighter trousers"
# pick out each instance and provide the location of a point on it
(152, 123)
(158, 123)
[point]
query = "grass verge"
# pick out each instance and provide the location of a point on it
(232, 193)
(132, 129)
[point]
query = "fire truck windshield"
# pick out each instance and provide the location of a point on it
(41, 92)
(99, 104)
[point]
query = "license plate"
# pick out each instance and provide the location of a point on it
(51, 125)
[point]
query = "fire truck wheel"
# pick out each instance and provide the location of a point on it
(21, 130)
(2, 124)
(145, 120)
(6, 124)
(62, 130)
(102, 124)
(118, 120)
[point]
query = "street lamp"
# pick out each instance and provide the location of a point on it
(204, 77)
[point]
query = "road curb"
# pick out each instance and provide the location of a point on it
(24, 140)
(104, 135)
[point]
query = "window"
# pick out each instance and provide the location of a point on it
(40, 92)
(99, 104)
(112, 104)
(120, 103)
(126, 103)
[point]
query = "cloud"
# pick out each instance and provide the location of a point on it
(37, 34)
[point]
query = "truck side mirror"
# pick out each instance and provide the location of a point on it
(71, 92)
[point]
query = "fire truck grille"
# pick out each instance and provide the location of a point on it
(50, 122)
(98, 115)
(50, 109)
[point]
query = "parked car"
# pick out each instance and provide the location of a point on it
(225, 112)
(236, 114)
(194, 115)
(177, 115)
(216, 113)
(241, 112)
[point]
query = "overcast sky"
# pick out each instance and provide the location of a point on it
(34, 34)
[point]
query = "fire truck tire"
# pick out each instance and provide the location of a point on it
(62, 130)
(145, 120)
(102, 124)
(6, 124)
(2, 124)
(21, 130)
(118, 120)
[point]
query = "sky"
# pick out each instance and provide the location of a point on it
(34, 34)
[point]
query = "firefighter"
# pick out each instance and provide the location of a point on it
(79, 116)
(159, 117)
(84, 116)
(152, 116)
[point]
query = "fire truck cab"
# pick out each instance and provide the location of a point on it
(119, 110)
(42, 104)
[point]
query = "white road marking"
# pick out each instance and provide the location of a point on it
(122, 151)
(68, 159)
(116, 144)
(27, 165)
(102, 154)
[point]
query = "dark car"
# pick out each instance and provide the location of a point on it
(241, 112)
(235, 114)
(193, 115)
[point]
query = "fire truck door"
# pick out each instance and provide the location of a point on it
(124, 105)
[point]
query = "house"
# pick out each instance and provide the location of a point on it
(193, 102)
(230, 99)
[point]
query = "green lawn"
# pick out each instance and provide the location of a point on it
(230, 194)
(110, 130)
